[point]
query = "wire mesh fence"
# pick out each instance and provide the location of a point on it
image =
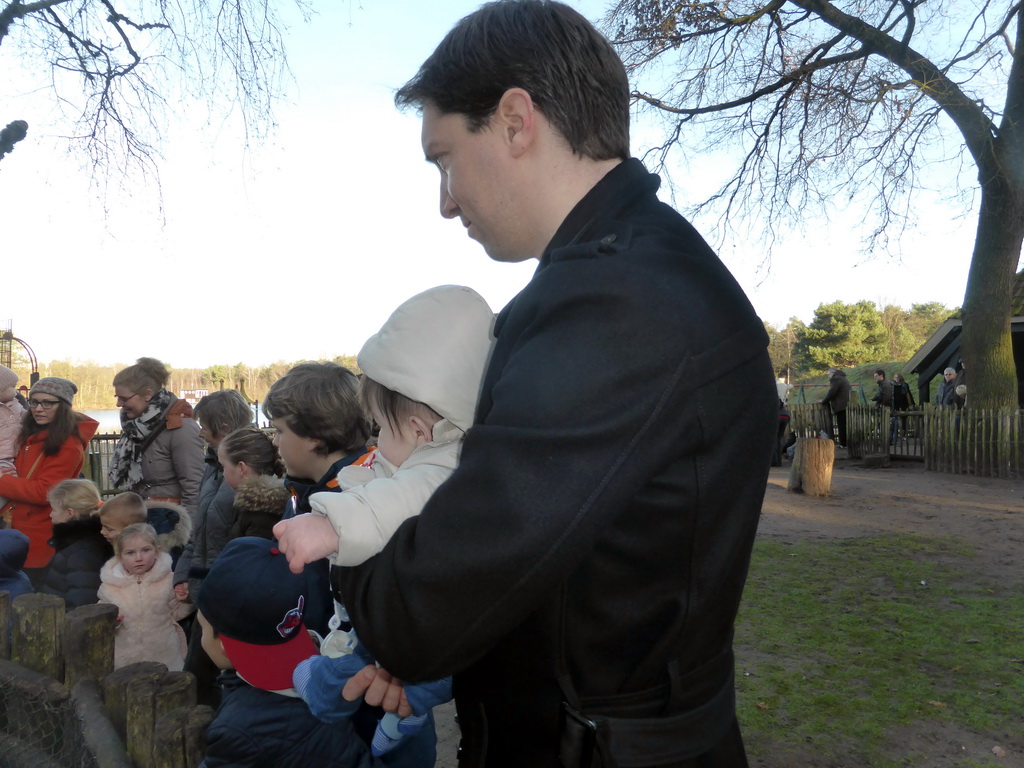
(39, 725)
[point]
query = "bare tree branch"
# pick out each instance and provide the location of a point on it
(117, 70)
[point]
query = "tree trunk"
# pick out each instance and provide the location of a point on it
(811, 472)
(986, 343)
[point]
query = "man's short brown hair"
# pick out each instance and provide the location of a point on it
(572, 73)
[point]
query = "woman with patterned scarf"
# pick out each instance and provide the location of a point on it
(160, 453)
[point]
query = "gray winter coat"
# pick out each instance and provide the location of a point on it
(173, 465)
(213, 522)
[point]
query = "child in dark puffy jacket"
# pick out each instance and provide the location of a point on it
(74, 572)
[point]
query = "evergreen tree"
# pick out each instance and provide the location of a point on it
(844, 335)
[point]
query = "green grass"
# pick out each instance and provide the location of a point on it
(839, 642)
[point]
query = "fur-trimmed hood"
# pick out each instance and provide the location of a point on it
(172, 522)
(114, 574)
(262, 494)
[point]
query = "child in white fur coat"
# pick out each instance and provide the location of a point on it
(138, 580)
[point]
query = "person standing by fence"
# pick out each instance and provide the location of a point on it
(835, 403)
(160, 453)
(51, 448)
(946, 394)
(902, 400)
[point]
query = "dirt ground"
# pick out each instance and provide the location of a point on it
(987, 514)
(904, 498)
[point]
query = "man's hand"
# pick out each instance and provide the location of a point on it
(305, 539)
(378, 689)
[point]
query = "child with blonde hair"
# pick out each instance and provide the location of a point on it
(81, 550)
(172, 522)
(138, 581)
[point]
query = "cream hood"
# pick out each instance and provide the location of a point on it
(434, 349)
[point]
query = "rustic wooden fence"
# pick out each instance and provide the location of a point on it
(97, 462)
(988, 442)
(62, 704)
(974, 441)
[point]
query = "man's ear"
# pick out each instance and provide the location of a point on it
(516, 117)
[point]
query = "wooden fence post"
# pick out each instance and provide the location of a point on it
(89, 643)
(119, 683)
(38, 634)
(180, 737)
(140, 698)
(811, 472)
(148, 699)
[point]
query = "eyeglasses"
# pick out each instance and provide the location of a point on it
(123, 400)
(44, 404)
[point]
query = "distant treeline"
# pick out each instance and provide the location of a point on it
(852, 335)
(841, 335)
(95, 390)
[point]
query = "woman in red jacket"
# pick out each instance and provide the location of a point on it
(51, 448)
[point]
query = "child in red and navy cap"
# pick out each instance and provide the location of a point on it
(251, 610)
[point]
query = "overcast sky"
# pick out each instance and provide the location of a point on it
(302, 247)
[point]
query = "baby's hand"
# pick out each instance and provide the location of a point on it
(181, 591)
(305, 539)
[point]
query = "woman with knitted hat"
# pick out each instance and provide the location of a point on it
(51, 449)
(160, 455)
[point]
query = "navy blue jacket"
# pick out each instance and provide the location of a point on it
(258, 729)
(74, 571)
(597, 532)
(13, 552)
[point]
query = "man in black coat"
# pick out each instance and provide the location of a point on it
(883, 397)
(836, 401)
(580, 572)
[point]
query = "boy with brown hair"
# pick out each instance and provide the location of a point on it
(320, 428)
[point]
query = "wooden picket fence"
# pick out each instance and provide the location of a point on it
(987, 442)
(974, 441)
(62, 703)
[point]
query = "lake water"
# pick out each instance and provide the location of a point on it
(110, 419)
